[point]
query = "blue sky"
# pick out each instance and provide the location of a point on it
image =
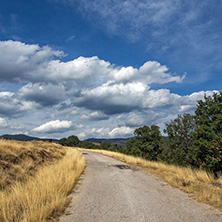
(103, 68)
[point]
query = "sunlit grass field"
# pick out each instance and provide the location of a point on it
(36, 178)
(201, 185)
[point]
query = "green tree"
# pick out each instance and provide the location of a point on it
(70, 141)
(63, 141)
(148, 142)
(179, 140)
(133, 147)
(73, 141)
(207, 149)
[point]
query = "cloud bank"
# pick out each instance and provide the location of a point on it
(86, 91)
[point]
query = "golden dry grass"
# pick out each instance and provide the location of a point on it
(198, 183)
(41, 195)
(18, 159)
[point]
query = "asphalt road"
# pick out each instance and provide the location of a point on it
(112, 191)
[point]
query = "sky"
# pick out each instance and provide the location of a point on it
(104, 68)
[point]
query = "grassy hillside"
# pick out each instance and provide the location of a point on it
(198, 183)
(19, 160)
(36, 178)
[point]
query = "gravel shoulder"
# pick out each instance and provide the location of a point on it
(112, 191)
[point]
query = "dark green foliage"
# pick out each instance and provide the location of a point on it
(180, 140)
(88, 145)
(63, 141)
(207, 149)
(74, 141)
(147, 143)
(122, 149)
(106, 146)
(133, 147)
(70, 141)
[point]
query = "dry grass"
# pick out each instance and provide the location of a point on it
(199, 184)
(19, 160)
(42, 194)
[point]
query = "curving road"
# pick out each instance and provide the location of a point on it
(112, 191)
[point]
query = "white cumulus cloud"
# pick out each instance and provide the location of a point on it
(18, 60)
(32, 63)
(121, 131)
(54, 126)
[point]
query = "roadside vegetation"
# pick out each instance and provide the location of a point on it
(36, 178)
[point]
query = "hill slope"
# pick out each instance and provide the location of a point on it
(24, 137)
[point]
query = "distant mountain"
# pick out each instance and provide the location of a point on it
(24, 137)
(115, 141)
(100, 140)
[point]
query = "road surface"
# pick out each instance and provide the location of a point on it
(112, 191)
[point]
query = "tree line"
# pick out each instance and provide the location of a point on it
(191, 140)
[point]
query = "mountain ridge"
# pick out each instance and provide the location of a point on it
(115, 141)
(100, 140)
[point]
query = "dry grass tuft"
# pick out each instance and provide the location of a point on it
(42, 194)
(198, 183)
